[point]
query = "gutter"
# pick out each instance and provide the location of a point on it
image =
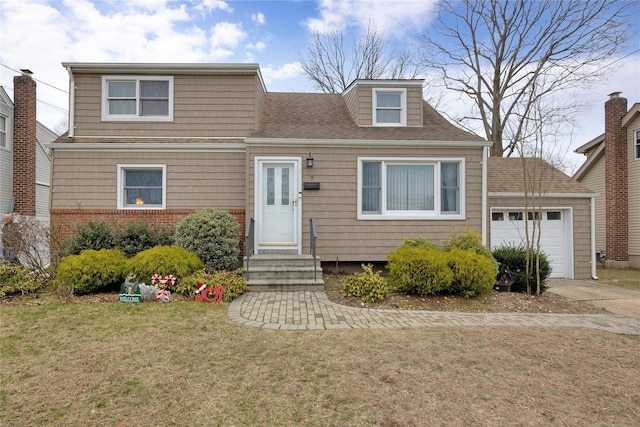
(593, 238)
(485, 160)
(72, 97)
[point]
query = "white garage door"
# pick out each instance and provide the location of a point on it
(508, 227)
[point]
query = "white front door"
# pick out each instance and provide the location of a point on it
(277, 204)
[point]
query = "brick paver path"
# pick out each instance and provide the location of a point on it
(301, 310)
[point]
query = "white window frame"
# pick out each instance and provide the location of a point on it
(403, 105)
(122, 168)
(436, 213)
(135, 117)
(636, 144)
(6, 132)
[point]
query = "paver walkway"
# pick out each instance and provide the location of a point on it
(302, 310)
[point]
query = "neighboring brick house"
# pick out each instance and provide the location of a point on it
(25, 163)
(372, 166)
(612, 170)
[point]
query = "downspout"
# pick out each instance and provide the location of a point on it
(593, 238)
(72, 97)
(485, 160)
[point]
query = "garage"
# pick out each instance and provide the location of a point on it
(508, 227)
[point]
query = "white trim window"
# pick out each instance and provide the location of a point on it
(137, 98)
(142, 186)
(636, 145)
(410, 188)
(389, 107)
(3, 132)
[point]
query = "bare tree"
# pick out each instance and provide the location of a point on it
(509, 55)
(332, 65)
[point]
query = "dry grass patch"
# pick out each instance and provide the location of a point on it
(185, 363)
(626, 278)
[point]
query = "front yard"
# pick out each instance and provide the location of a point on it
(185, 363)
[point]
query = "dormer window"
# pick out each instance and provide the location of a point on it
(389, 107)
(137, 98)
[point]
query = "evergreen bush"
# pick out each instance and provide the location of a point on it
(163, 260)
(94, 235)
(367, 285)
(214, 235)
(16, 279)
(419, 242)
(513, 262)
(469, 240)
(233, 280)
(419, 270)
(138, 236)
(473, 274)
(92, 271)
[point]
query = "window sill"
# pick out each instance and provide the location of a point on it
(456, 217)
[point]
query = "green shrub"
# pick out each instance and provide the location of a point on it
(138, 236)
(513, 264)
(473, 274)
(92, 271)
(214, 235)
(469, 240)
(94, 235)
(233, 280)
(419, 270)
(163, 260)
(367, 285)
(419, 242)
(16, 278)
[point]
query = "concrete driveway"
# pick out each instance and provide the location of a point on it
(612, 298)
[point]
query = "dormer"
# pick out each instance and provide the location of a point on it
(385, 103)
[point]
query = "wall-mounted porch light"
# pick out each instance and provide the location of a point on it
(309, 161)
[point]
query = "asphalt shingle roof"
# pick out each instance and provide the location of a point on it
(505, 176)
(325, 116)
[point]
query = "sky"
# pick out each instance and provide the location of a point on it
(40, 35)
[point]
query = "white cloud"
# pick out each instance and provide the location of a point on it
(212, 5)
(284, 72)
(257, 46)
(225, 35)
(258, 18)
(390, 17)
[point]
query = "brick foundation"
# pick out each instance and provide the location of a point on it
(64, 222)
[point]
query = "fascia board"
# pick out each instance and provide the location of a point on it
(362, 142)
(146, 147)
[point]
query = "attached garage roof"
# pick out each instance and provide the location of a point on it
(507, 175)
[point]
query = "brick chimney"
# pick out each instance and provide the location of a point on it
(616, 181)
(24, 144)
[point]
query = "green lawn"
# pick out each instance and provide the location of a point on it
(186, 364)
(626, 278)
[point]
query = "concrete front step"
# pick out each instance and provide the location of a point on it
(286, 285)
(268, 272)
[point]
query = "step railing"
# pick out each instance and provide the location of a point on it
(249, 242)
(313, 236)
